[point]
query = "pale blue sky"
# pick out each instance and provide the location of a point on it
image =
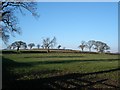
(71, 23)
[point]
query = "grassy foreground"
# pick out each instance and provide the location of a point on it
(60, 70)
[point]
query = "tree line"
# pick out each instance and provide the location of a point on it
(99, 46)
(48, 44)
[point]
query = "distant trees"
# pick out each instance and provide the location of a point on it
(90, 44)
(47, 43)
(13, 45)
(31, 45)
(59, 46)
(83, 45)
(99, 46)
(18, 45)
(25, 46)
(38, 46)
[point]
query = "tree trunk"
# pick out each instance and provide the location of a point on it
(82, 49)
(48, 50)
(18, 48)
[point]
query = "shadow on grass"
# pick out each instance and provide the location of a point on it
(8, 65)
(70, 61)
(73, 80)
(55, 56)
(12, 63)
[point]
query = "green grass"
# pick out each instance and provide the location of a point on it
(93, 67)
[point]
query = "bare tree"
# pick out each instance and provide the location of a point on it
(97, 45)
(38, 46)
(90, 44)
(25, 47)
(9, 20)
(83, 45)
(47, 43)
(13, 45)
(101, 46)
(18, 45)
(31, 45)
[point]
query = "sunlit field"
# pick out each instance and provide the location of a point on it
(60, 70)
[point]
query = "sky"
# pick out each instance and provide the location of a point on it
(71, 23)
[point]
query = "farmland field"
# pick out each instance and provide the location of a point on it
(60, 70)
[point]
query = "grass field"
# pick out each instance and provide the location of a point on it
(60, 70)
